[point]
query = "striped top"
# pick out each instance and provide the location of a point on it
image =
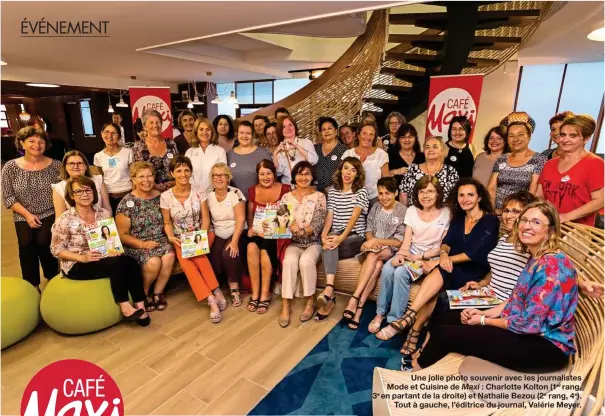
(507, 265)
(342, 205)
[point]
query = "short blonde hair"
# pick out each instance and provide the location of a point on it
(224, 167)
(136, 167)
(441, 145)
(195, 142)
(552, 242)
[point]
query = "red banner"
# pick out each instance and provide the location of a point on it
(450, 96)
(152, 98)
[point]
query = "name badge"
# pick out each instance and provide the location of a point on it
(113, 162)
(228, 203)
(233, 165)
(502, 166)
(170, 155)
(440, 223)
(334, 157)
(395, 220)
(196, 206)
(565, 178)
(130, 204)
(385, 142)
(453, 158)
(310, 203)
(74, 224)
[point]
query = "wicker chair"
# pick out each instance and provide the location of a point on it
(584, 245)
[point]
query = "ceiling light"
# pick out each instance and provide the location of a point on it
(232, 98)
(196, 101)
(24, 116)
(122, 103)
(597, 35)
(42, 85)
(110, 109)
(189, 104)
(216, 101)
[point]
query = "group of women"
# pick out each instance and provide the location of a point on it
(381, 199)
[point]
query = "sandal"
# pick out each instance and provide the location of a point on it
(215, 317)
(304, 317)
(353, 324)
(149, 304)
(320, 316)
(236, 300)
(348, 315)
(374, 326)
(407, 321)
(253, 305)
(412, 338)
(160, 302)
(323, 299)
(220, 299)
(263, 306)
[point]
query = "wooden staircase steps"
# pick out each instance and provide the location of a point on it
(436, 42)
(485, 19)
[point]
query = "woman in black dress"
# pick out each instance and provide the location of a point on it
(404, 152)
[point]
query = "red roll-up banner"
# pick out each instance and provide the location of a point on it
(450, 96)
(152, 98)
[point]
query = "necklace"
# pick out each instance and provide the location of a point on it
(454, 145)
(407, 154)
(112, 153)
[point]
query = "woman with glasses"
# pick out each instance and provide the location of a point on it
(302, 252)
(69, 244)
(472, 234)
(75, 164)
(574, 182)
(26, 190)
(204, 153)
(228, 215)
(329, 153)
(537, 321)
(114, 160)
(520, 169)
(140, 226)
(392, 124)
(460, 155)
(185, 123)
(156, 150)
(404, 152)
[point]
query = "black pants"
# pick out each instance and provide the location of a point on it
(114, 202)
(525, 353)
(222, 262)
(124, 276)
(34, 249)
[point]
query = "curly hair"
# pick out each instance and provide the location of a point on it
(485, 203)
(360, 178)
(217, 119)
(27, 132)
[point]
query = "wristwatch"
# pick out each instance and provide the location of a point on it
(482, 320)
(443, 252)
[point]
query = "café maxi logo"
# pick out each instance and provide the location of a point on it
(64, 28)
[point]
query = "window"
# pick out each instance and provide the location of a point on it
(86, 118)
(285, 87)
(244, 92)
(224, 91)
(263, 92)
(4, 123)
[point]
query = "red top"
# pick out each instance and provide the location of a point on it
(285, 188)
(570, 190)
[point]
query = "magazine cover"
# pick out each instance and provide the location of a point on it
(194, 243)
(103, 237)
(477, 298)
(415, 269)
(273, 221)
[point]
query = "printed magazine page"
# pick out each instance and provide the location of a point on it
(103, 237)
(273, 221)
(194, 243)
(478, 298)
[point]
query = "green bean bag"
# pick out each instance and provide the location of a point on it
(20, 309)
(79, 306)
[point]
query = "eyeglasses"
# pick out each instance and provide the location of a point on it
(82, 191)
(219, 175)
(109, 133)
(304, 174)
(74, 164)
(534, 222)
(394, 123)
(511, 211)
(427, 192)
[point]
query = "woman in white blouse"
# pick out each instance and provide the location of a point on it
(375, 161)
(291, 149)
(114, 160)
(204, 152)
(228, 215)
(75, 164)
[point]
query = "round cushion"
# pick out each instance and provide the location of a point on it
(79, 306)
(20, 309)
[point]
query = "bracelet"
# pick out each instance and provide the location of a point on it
(482, 320)
(443, 252)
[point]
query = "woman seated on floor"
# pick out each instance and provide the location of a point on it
(303, 251)
(472, 234)
(185, 209)
(384, 233)
(228, 215)
(262, 252)
(345, 226)
(140, 226)
(426, 223)
(537, 320)
(78, 262)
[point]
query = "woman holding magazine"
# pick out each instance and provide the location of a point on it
(426, 223)
(538, 319)
(472, 234)
(262, 253)
(384, 233)
(185, 209)
(69, 244)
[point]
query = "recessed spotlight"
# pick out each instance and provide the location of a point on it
(597, 35)
(42, 85)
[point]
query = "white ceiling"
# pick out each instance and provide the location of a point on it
(172, 42)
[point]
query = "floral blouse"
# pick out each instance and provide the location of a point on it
(69, 233)
(186, 216)
(447, 177)
(544, 301)
(310, 212)
(160, 164)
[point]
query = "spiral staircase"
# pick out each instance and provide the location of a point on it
(463, 37)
